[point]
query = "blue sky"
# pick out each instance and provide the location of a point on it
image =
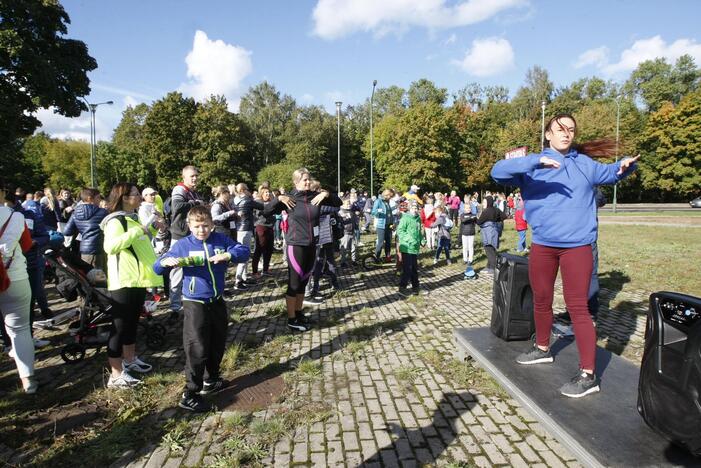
(321, 51)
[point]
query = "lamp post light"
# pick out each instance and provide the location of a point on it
(338, 124)
(93, 138)
(372, 95)
(618, 122)
(542, 125)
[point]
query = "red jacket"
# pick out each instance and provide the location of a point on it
(521, 224)
(427, 221)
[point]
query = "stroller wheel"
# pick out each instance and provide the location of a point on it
(72, 353)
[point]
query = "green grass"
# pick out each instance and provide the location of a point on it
(636, 258)
(655, 214)
(462, 374)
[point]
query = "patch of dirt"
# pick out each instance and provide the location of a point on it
(250, 392)
(64, 419)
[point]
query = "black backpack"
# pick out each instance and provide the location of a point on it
(336, 227)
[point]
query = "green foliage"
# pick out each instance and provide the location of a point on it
(39, 67)
(425, 91)
(671, 148)
(223, 142)
(60, 174)
(417, 147)
(655, 82)
(169, 138)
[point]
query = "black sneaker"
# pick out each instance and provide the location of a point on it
(415, 291)
(304, 319)
(312, 300)
(297, 325)
(193, 402)
(47, 314)
(250, 281)
(535, 356)
(240, 286)
(403, 291)
(581, 385)
(212, 386)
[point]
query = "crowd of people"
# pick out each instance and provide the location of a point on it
(184, 243)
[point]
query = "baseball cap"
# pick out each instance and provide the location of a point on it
(415, 188)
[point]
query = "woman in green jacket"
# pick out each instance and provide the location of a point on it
(130, 257)
(410, 237)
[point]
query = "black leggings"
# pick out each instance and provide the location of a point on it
(128, 304)
(264, 246)
(300, 264)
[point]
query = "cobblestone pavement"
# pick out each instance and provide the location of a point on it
(390, 405)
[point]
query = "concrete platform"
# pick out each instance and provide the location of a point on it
(603, 429)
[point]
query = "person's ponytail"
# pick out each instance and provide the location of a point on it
(601, 148)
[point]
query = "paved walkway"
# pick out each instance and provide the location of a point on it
(390, 389)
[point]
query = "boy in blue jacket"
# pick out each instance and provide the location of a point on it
(203, 255)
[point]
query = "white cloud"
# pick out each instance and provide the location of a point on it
(597, 57)
(641, 50)
(451, 39)
(337, 18)
(107, 117)
(215, 67)
(487, 57)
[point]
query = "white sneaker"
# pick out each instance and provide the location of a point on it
(435, 261)
(41, 343)
(123, 381)
(137, 365)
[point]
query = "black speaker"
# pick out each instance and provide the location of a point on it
(669, 390)
(512, 308)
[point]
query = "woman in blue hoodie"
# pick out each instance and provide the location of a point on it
(559, 186)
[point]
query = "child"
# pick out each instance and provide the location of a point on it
(350, 227)
(442, 224)
(411, 238)
(521, 226)
(203, 255)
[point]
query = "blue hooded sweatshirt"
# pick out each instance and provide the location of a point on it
(204, 283)
(560, 203)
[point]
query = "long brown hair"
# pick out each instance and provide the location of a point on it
(118, 192)
(601, 148)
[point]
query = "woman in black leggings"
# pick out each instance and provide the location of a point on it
(264, 235)
(302, 205)
(129, 272)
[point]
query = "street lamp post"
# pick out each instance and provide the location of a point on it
(542, 125)
(338, 124)
(93, 139)
(372, 96)
(618, 122)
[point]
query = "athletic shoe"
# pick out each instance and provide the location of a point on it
(535, 356)
(137, 365)
(125, 380)
(403, 291)
(250, 281)
(193, 402)
(31, 387)
(240, 286)
(267, 273)
(41, 343)
(581, 385)
(297, 325)
(312, 300)
(48, 314)
(212, 386)
(449, 262)
(435, 261)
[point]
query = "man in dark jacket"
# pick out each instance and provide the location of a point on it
(244, 204)
(86, 220)
(182, 199)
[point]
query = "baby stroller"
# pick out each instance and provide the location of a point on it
(80, 280)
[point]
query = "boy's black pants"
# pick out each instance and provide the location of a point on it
(410, 270)
(204, 340)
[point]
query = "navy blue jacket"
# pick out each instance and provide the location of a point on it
(86, 220)
(40, 236)
(206, 282)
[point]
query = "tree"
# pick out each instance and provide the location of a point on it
(528, 98)
(61, 173)
(671, 149)
(27, 170)
(391, 100)
(655, 82)
(268, 115)
(425, 91)
(169, 137)
(223, 151)
(418, 147)
(134, 163)
(39, 68)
